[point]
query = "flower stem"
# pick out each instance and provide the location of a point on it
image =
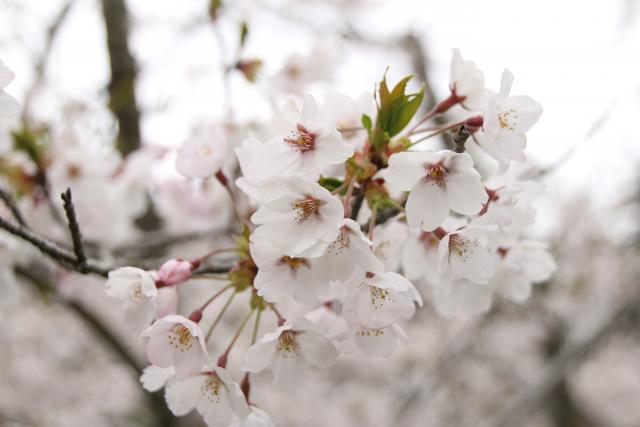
(213, 298)
(225, 183)
(281, 320)
(220, 314)
(372, 222)
(347, 198)
(222, 360)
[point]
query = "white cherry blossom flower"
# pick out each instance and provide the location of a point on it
(522, 264)
(464, 254)
(281, 276)
(176, 341)
(9, 107)
(345, 114)
(506, 119)
(285, 351)
(213, 393)
(202, 155)
(380, 300)
(307, 217)
(153, 377)
(437, 183)
(420, 257)
(466, 82)
(300, 69)
(381, 342)
(137, 289)
(352, 250)
(388, 242)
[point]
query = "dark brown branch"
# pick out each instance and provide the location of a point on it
(62, 256)
(460, 138)
(122, 96)
(7, 199)
(74, 230)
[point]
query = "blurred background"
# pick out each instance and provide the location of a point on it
(92, 75)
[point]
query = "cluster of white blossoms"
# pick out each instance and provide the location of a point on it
(347, 214)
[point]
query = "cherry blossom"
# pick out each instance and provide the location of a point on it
(137, 289)
(280, 276)
(420, 257)
(464, 254)
(506, 119)
(202, 155)
(174, 271)
(522, 264)
(285, 351)
(154, 378)
(382, 299)
(305, 218)
(176, 341)
(213, 393)
(437, 183)
(466, 82)
(351, 251)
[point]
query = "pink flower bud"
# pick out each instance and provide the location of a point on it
(174, 271)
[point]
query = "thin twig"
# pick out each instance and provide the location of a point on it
(74, 230)
(11, 205)
(62, 256)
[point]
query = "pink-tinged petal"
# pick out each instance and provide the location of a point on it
(427, 206)
(317, 350)
(182, 396)
(376, 342)
(259, 356)
(166, 303)
(153, 377)
(189, 362)
(466, 193)
(159, 351)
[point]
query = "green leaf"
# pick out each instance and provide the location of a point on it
(330, 183)
(396, 108)
(366, 122)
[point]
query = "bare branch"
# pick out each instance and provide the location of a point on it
(62, 256)
(7, 199)
(74, 229)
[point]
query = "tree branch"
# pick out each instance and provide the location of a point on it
(62, 256)
(122, 96)
(7, 199)
(74, 229)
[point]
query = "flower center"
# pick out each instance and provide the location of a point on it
(180, 338)
(338, 246)
(379, 296)
(135, 292)
(370, 332)
(301, 139)
(436, 174)
(288, 347)
(462, 247)
(294, 263)
(204, 151)
(306, 207)
(508, 119)
(429, 240)
(210, 389)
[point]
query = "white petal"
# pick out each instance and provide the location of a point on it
(182, 396)
(153, 377)
(466, 193)
(427, 206)
(259, 356)
(318, 350)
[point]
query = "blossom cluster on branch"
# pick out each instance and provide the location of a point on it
(348, 216)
